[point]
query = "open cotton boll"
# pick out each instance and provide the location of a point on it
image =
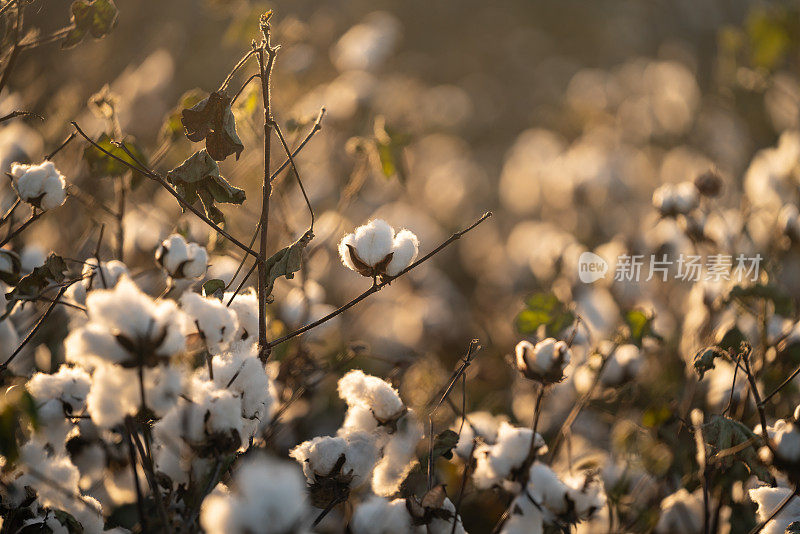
(484, 424)
(445, 526)
(215, 322)
(585, 495)
(675, 199)
(399, 456)
(373, 393)
(768, 500)
(525, 518)
(127, 327)
(104, 276)
(405, 248)
(40, 185)
(57, 395)
(785, 436)
(368, 246)
(267, 496)
(239, 370)
(683, 512)
(181, 259)
(496, 462)
(320, 456)
(115, 392)
(377, 515)
(544, 362)
(245, 306)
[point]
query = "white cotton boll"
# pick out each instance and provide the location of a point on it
(544, 362)
(682, 512)
(132, 319)
(181, 259)
(547, 490)
(57, 395)
(105, 276)
(785, 435)
(674, 199)
(216, 323)
(319, 457)
(586, 494)
(371, 392)
(267, 496)
(34, 456)
(768, 500)
(445, 526)
(377, 515)
(245, 306)
(344, 251)
(526, 518)
(496, 462)
(240, 371)
(484, 424)
(405, 248)
(115, 392)
(40, 185)
(373, 241)
(358, 419)
(399, 456)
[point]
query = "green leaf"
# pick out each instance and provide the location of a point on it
(723, 434)
(444, 443)
(94, 17)
(212, 119)
(544, 309)
(212, 286)
(286, 261)
(704, 359)
(199, 178)
(390, 145)
(30, 286)
(640, 324)
(102, 165)
(16, 406)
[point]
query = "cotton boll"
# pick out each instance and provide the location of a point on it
(368, 246)
(359, 389)
(585, 495)
(399, 456)
(245, 306)
(445, 526)
(544, 362)
(56, 395)
(768, 500)
(267, 496)
(215, 322)
(496, 462)
(675, 199)
(682, 512)
(181, 259)
(40, 185)
(127, 327)
(358, 419)
(104, 276)
(526, 518)
(405, 248)
(377, 515)
(479, 424)
(785, 436)
(320, 456)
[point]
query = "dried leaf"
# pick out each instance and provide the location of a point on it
(94, 17)
(199, 178)
(212, 119)
(286, 261)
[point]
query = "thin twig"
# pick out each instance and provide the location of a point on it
(60, 147)
(378, 286)
(20, 113)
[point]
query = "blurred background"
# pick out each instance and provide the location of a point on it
(560, 117)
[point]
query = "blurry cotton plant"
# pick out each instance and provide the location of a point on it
(676, 199)
(375, 250)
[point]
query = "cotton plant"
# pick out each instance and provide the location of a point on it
(374, 249)
(215, 323)
(181, 259)
(42, 186)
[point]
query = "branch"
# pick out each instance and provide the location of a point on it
(20, 113)
(377, 287)
(11, 235)
(161, 181)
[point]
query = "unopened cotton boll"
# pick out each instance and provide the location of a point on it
(126, 327)
(374, 249)
(544, 362)
(267, 496)
(377, 515)
(372, 393)
(215, 322)
(768, 500)
(676, 199)
(40, 185)
(181, 259)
